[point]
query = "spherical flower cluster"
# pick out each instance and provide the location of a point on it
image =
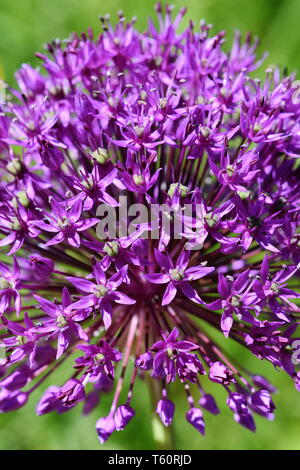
(164, 119)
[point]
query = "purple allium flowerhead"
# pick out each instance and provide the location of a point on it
(148, 181)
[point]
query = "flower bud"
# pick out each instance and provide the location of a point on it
(42, 267)
(49, 401)
(180, 188)
(30, 81)
(51, 156)
(100, 155)
(71, 393)
(144, 361)
(262, 403)
(123, 415)
(195, 418)
(10, 401)
(105, 427)
(208, 403)
(219, 373)
(17, 380)
(165, 409)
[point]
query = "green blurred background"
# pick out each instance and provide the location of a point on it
(25, 26)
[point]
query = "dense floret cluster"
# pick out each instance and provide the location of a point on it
(163, 119)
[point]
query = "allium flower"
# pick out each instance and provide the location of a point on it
(182, 131)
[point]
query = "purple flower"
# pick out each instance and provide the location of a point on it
(66, 223)
(102, 292)
(51, 156)
(237, 402)
(123, 415)
(204, 156)
(11, 401)
(24, 341)
(245, 420)
(206, 136)
(16, 380)
(30, 81)
(98, 359)
(172, 358)
(178, 276)
(262, 403)
(234, 300)
(122, 251)
(219, 373)
(61, 323)
(208, 403)
(49, 401)
(137, 178)
(105, 427)
(273, 290)
(165, 409)
(195, 418)
(269, 341)
(262, 382)
(41, 267)
(71, 393)
(145, 361)
(20, 224)
(9, 284)
(92, 185)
